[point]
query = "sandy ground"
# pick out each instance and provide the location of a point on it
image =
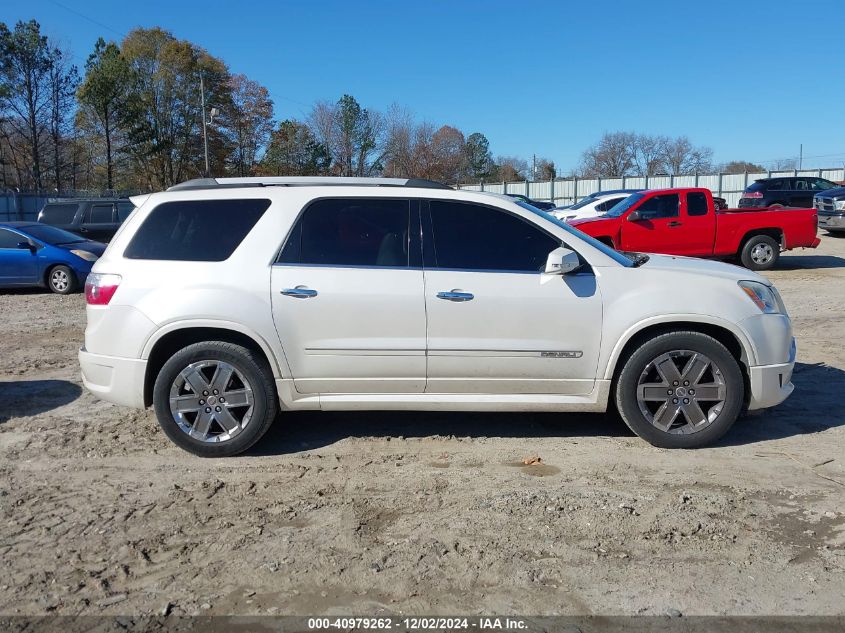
(420, 513)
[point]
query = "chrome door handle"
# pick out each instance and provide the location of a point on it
(674, 224)
(300, 293)
(456, 296)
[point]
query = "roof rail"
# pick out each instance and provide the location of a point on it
(304, 181)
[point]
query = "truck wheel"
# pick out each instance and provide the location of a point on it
(215, 399)
(680, 390)
(760, 252)
(61, 280)
(776, 205)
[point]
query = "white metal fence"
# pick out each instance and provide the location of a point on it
(569, 190)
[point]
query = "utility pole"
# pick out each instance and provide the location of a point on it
(534, 167)
(204, 125)
(800, 155)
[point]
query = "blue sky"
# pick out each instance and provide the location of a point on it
(752, 80)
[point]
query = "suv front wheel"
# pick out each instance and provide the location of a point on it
(680, 390)
(215, 399)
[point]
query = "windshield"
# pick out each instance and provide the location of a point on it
(583, 203)
(626, 204)
(604, 248)
(51, 235)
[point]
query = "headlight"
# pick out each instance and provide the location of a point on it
(88, 257)
(839, 205)
(764, 297)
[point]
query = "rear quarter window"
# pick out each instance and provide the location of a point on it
(58, 213)
(198, 230)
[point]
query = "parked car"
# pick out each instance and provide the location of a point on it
(592, 195)
(786, 191)
(830, 206)
(224, 301)
(38, 255)
(683, 221)
(93, 219)
(591, 207)
(543, 206)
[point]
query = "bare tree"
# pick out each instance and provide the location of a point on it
(321, 120)
(511, 168)
(613, 155)
(649, 154)
(681, 157)
(249, 121)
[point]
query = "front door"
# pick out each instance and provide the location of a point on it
(496, 323)
(347, 297)
(98, 222)
(658, 228)
(17, 265)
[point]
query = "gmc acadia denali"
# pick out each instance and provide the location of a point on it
(222, 301)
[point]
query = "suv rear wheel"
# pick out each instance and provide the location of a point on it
(680, 390)
(215, 399)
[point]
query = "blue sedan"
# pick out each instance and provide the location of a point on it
(34, 254)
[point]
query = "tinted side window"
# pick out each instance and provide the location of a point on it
(607, 205)
(123, 210)
(776, 185)
(98, 214)
(801, 184)
(696, 203)
(665, 206)
(473, 237)
(198, 230)
(10, 239)
(58, 213)
(350, 232)
(820, 184)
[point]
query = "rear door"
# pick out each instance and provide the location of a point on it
(17, 265)
(98, 221)
(802, 193)
(347, 297)
(659, 227)
(496, 323)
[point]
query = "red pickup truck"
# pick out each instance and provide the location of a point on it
(684, 222)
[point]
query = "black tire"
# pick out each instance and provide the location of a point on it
(639, 364)
(250, 368)
(61, 280)
(749, 253)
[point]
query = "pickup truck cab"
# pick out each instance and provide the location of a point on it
(684, 221)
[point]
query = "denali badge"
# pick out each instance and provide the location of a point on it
(578, 354)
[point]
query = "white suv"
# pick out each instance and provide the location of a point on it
(220, 302)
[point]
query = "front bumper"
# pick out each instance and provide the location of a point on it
(117, 380)
(831, 221)
(771, 384)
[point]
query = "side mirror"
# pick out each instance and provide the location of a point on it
(562, 261)
(634, 216)
(27, 245)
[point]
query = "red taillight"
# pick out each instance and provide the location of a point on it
(752, 194)
(100, 288)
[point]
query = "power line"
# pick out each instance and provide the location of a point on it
(85, 17)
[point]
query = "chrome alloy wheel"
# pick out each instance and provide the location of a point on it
(59, 280)
(762, 254)
(211, 401)
(681, 392)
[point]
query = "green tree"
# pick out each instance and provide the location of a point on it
(294, 151)
(165, 122)
(103, 96)
(479, 159)
(356, 137)
(25, 62)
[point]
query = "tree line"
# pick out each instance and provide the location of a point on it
(132, 119)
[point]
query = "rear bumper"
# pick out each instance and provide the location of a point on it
(771, 384)
(117, 380)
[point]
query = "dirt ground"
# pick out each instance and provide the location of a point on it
(420, 513)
